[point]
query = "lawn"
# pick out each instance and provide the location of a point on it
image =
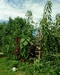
(28, 68)
(6, 67)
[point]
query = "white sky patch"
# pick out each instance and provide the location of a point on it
(11, 10)
(37, 9)
(58, 0)
(55, 9)
(7, 11)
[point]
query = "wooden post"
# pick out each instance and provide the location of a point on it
(39, 54)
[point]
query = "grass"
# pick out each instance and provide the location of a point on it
(6, 67)
(41, 67)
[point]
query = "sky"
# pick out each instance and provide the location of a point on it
(14, 8)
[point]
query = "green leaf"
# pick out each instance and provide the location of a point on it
(25, 43)
(22, 40)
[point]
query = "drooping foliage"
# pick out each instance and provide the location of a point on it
(49, 40)
(29, 16)
(15, 28)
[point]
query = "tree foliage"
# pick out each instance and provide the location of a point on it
(49, 31)
(15, 28)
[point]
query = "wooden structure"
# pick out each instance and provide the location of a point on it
(39, 44)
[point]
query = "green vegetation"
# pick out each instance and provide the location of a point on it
(47, 38)
(6, 67)
(39, 67)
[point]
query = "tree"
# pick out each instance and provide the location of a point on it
(13, 29)
(57, 31)
(57, 24)
(47, 12)
(50, 33)
(29, 16)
